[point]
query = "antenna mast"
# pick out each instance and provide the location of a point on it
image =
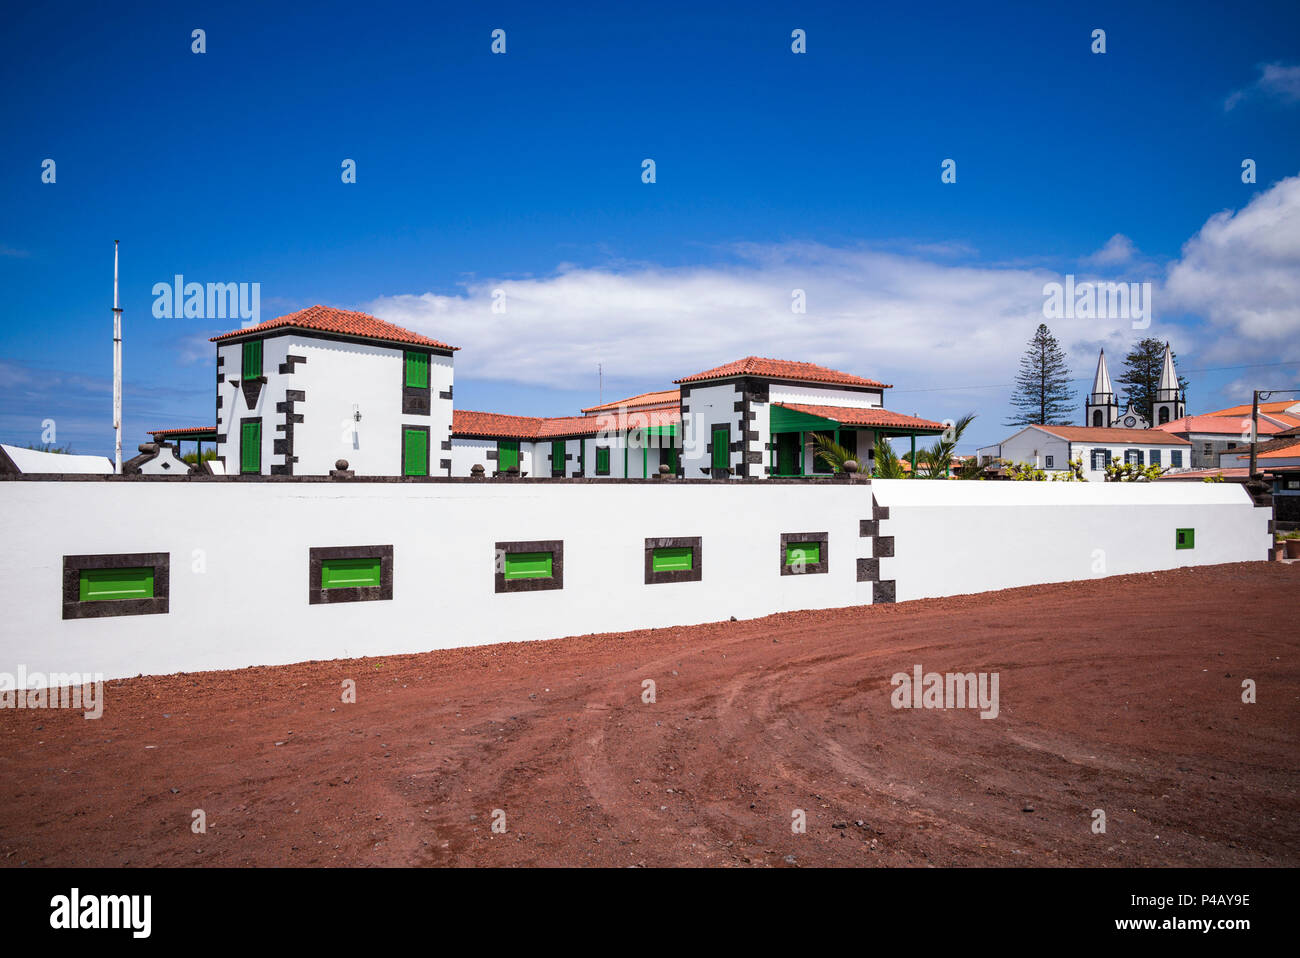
(117, 369)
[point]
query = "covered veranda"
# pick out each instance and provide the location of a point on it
(793, 425)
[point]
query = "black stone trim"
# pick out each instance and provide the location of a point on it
(554, 546)
(883, 592)
(446, 445)
(416, 401)
(252, 388)
(74, 608)
(693, 574)
(878, 512)
(868, 570)
(868, 527)
(401, 449)
(882, 547)
(444, 464)
(221, 378)
(446, 393)
(318, 596)
(290, 361)
(810, 568)
(221, 360)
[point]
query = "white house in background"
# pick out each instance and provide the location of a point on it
(17, 461)
(756, 417)
(297, 393)
(1052, 447)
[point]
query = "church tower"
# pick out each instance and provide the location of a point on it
(1169, 403)
(1101, 409)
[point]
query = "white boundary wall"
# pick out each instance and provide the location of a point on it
(239, 553)
(954, 538)
(250, 604)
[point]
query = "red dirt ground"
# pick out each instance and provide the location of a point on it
(1122, 694)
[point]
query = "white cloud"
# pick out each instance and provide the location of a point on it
(898, 317)
(1118, 249)
(1241, 272)
(1275, 81)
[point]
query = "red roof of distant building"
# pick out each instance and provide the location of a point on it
(1114, 437)
(663, 397)
(1217, 425)
(855, 416)
(782, 369)
(346, 322)
(192, 430)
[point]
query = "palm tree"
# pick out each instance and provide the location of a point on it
(888, 465)
(832, 453)
(936, 462)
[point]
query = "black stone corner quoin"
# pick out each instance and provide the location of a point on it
(74, 608)
(556, 580)
(319, 596)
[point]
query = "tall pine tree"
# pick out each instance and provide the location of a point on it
(1141, 376)
(1042, 395)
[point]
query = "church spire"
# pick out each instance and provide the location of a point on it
(1168, 378)
(1169, 403)
(1101, 409)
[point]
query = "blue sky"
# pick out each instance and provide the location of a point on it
(522, 173)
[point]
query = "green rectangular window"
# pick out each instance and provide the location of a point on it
(673, 559)
(507, 454)
(721, 447)
(557, 457)
(250, 448)
(1185, 539)
(415, 452)
(252, 359)
(809, 553)
(103, 585)
(528, 565)
(417, 370)
(349, 573)
(602, 460)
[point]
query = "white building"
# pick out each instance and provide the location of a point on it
(297, 393)
(1052, 447)
(17, 461)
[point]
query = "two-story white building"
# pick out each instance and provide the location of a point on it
(297, 393)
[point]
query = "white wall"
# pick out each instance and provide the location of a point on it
(810, 395)
(249, 604)
(706, 407)
(955, 537)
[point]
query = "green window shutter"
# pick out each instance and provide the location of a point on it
(415, 452)
(1185, 539)
(674, 559)
(507, 454)
(250, 448)
(349, 573)
(103, 585)
(528, 565)
(721, 447)
(810, 553)
(602, 460)
(557, 457)
(252, 359)
(417, 370)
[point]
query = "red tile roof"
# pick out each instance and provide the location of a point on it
(782, 369)
(854, 416)
(663, 397)
(1272, 406)
(165, 433)
(1199, 475)
(497, 425)
(1115, 437)
(344, 321)
(1216, 424)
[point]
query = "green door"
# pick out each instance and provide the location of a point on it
(557, 457)
(415, 452)
(507, 454)
(250, 448)
(671, 455)
(787, 454)
(721, 447)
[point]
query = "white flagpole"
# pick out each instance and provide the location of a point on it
(117, 368)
